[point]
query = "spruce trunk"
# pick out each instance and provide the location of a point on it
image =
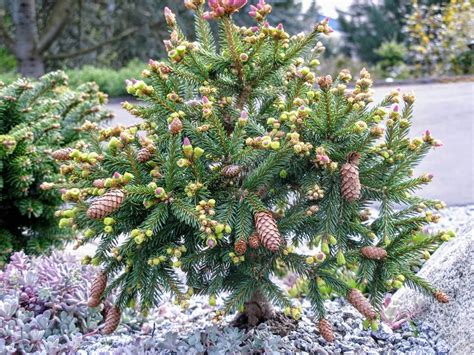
(256, 311)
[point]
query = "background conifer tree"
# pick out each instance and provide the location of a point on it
(243, 158)
(36, 118)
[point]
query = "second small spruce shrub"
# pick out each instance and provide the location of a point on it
(36, 118)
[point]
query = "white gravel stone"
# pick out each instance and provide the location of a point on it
(451, 269)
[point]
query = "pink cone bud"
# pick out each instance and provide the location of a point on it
(117, 175)
(168, 44)
(170, 17)
(186, 141)
(205, 100)
(211, 243)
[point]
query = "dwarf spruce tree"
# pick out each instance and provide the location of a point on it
(243, 154)
(36, 118)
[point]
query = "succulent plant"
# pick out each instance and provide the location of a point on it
(43, 304)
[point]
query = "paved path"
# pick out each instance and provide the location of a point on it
(448, 111)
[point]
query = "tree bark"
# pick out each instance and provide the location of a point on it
(256, 311)
(30, 61)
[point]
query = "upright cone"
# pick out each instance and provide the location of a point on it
(106, 204)
(350, 183)
(112, 320)
(144, 155)
(374, 253)
(267, 230)
(98, 287)
(62, 154)
(176, 126)
(325, 329)
(362, 304)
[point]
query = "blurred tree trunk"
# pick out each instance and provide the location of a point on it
(30, 61)
(29, 39)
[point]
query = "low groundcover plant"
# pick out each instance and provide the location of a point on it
(43, 304)
(240, 158)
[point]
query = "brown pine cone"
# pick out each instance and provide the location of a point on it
(325, 329)
(176, 126)
(144, 155)
(350, 183)
(112, 320)
(441, 297)
(362, 304)
(97, 288)
(106, 204)
(231, 171)
(240, 247)
(93, 302)
(374, 253)
(62, 154)
(267, 229)
(254, 241)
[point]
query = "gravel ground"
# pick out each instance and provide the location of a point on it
(456, 218)
(170, 330)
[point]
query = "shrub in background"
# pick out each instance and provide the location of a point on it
(243, 160)
(43, 304)
(7, 61)
(392, 55)
(36, 118)
(110, 81)
(439, 38)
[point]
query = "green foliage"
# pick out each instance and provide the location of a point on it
(241, 130)
(36, 118)
(7, 61)
(110, 81)
(392, 54)
(439, 38)
(367, 25)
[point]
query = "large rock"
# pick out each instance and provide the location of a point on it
(450, 269)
